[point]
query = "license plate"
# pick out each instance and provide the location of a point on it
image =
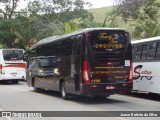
(13, 75)
(109, 87)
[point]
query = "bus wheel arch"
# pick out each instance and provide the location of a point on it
(34, 87)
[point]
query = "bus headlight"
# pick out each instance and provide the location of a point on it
(56, 72)
(41, 72)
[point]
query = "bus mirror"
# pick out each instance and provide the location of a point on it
(25, 56)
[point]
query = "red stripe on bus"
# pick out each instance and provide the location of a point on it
(23, 65)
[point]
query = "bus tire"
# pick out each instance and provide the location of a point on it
(64, 94)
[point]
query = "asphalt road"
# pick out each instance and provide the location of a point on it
(20, 97)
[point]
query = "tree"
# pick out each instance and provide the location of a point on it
(52, 17)
(61, 10)
(70, 27)
(40, 19)
(8, 8)
(110, 19)
(87, 23)
(129, 8)
(144, 12)
(7, 21)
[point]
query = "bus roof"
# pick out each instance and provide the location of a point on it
(11, 49)
(53, 38)
(146, 40)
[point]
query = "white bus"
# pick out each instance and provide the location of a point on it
(146, 65)
(12, 66)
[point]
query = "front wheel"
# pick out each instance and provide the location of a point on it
(63, 91)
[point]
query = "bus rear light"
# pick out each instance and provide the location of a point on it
(0, 68)
(130, 72)
(85, 72)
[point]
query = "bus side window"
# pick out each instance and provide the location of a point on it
(138, 49)
(134, 52)
(158, 51)
(78, 45)
(69, 46)
(152, 50)
(145, 51)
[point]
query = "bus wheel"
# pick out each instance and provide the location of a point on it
(63, 91)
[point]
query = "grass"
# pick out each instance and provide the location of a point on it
(100, 13)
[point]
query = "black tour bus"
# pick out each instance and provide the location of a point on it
(92, 61)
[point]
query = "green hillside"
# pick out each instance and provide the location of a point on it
(100, 14)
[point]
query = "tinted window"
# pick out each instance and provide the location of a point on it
(46, 62)
(67, 46)
(136, 52)
(133, 52)
(77, 45)
(152, 50)
(13, 54)
(43, 62)
(149, 51)
(158, 51)
(145, 51)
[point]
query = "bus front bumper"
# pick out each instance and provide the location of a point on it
(12, 77)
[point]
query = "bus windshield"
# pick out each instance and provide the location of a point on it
(107, 40)
(13, 54)
(47, 62)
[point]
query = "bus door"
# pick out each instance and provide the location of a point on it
(76, 63)
(108, 58)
